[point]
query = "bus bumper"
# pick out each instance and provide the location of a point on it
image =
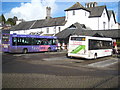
(79, 56)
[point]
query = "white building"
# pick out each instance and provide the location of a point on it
(92, 16)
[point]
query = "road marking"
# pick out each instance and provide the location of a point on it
(55, 58)
(104, 63)
(17, 55)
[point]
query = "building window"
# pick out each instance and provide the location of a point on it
(104, 23)
(85, 14)
(55, 30)
(47, 30)
(59, 29)
(73, 12)
(103, 14)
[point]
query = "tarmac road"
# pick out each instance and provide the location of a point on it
(54, 70)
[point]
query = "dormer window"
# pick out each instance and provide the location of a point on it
(73, 12)
(72, 27)
(83, 26)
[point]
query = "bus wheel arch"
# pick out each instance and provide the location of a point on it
(25, 50)
(49, 49)
(68, 56)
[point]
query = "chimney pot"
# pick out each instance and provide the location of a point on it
(91, 4)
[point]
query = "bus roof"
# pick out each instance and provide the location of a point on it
(92, 37)
(33, 36)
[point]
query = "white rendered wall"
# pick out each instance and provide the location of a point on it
(112, 22)
(104, 18)
(93, 23)
(81, 16)
(52, 30)
(96, 23)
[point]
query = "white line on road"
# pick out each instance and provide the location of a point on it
(55, 58)
(104, 63)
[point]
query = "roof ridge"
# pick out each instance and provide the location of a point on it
(76, 5)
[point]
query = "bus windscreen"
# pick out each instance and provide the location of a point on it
(5, 37)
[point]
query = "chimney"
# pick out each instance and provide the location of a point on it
(91, 4)
(95, 4)
(48, 12)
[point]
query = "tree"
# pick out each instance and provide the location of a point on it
(15, 19)
(10, 21)
(2, 19)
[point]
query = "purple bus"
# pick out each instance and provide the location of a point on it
(14, 43)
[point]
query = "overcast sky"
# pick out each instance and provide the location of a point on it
(36, 9)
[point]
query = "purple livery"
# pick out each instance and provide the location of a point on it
(14, 43)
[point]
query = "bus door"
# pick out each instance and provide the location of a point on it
(14, 46)
(5, 42)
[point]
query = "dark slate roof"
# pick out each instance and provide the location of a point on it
(106, 33)
(47, 34)
(96, 11)
(76, 6)
(23, 26)
(59, 21)
(80, 31)
(70, 31)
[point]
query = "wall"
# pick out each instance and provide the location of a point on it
(96, 23)
(104, 18)
(52, 30)
(81, 16)
(112, 23)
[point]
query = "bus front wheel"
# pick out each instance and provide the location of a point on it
(25, 50)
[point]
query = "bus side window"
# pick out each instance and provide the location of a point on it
(33, 41)
(50, 42)
(45, 42)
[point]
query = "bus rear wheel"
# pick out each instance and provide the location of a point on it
(49, 49)
(25, 50)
